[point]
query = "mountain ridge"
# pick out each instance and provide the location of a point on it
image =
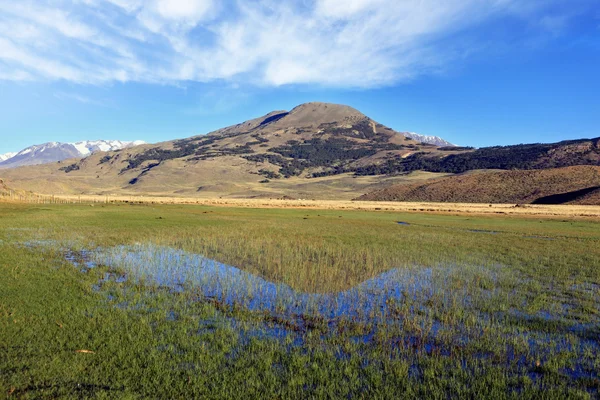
(6, 156)
(59, 151)
(316, 150)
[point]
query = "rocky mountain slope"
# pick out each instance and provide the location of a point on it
(55, 151)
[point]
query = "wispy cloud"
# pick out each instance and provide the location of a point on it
(348, 43)
(79, 98)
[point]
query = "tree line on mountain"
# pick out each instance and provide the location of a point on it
(523, 156)
(334, 154)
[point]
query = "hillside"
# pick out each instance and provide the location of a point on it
(3, 188)
(316, 150)
(569, 185)
(9, 194)
(303, 153)
(522, 156)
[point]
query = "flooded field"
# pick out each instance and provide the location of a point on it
(352, 305)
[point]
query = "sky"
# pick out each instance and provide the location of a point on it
(474, 72)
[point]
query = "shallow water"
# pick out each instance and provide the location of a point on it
(371, 301)
(412, 301)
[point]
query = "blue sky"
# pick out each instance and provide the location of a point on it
(475, 72)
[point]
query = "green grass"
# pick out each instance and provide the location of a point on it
(495, 326)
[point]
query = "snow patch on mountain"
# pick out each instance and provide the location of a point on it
(56, 151)
(93, 146)
(4, 157)
(438, 141)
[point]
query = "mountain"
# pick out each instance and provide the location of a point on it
(4, 157)
(567, 185)
(316, 150)
(438, 141)
(55, 151)
(307, 152)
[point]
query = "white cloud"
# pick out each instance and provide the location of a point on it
(356, 43)
(15, 75)
(189, 10)
(346, 8)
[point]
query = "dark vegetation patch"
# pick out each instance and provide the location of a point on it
(258, 140)
(105, 159)
(183, 148)
(269, 174)
(456, 148)
(287, 167)
(333, 153)
(148, 168)
(523, 156)
(70, 168)
(202, 149)
(323, 152)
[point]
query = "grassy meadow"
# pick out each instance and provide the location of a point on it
(474, 306)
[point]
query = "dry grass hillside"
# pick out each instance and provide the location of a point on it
(569, 185)
(305, 153)
(318, 151)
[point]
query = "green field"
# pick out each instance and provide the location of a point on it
(492, 307)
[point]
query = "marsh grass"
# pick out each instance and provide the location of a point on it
(508, 315)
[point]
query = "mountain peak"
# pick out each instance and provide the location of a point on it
(6, 156)
(57, 151)
(314, 116)
(316, 113)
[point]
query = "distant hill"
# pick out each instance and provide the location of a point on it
(55, 151)
(522, 156)
(568, 185)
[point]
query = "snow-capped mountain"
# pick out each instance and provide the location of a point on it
(56, 151)
(4, 157)
(438, 141)
(93, 146)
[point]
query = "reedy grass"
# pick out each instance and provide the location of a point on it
(483, 329)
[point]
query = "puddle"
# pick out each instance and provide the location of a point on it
(483, 231)
(539, 237)
(402, 223)
(81, 260)
(370, 302)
